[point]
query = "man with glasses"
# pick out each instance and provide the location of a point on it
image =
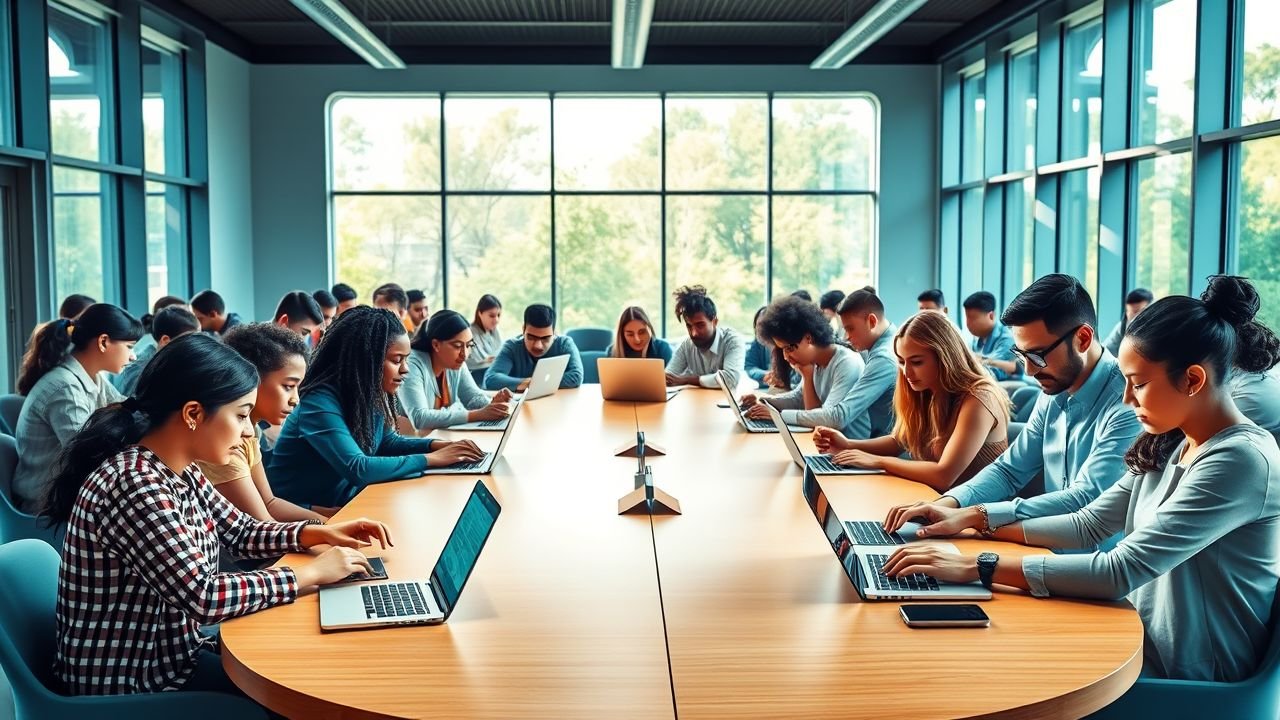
(513, 368)
(1078, 432)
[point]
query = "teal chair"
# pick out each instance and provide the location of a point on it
(590, 372)
(15, 524)
(591, 338)
(28, 593)
(1257, 698)
(10, 409)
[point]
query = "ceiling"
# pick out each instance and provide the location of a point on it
(578, 31)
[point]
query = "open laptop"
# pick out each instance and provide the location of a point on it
(489, 425)
(485, 464)
(546, 377)
(417, 602)
(634, 379)
(819, 463)
(751, 424)
(863, 559)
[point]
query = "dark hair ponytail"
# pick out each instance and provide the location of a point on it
(54, 340)
(1217, 331)
(442, 325)
(191, 368)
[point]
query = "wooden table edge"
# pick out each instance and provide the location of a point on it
(1078, 703)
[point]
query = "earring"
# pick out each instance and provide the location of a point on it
(191, 425)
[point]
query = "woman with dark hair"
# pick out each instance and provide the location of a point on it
(802, 338)
(74, 304)
(139, 576)
(484, 332)
(636, 338)
(759, 361)
(168, 325)
(147, 341)
(439, 391)
(343, 435)
(62, 379)
(1199, 509)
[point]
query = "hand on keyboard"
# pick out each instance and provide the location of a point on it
(929, 560)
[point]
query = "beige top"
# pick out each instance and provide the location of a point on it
(242, 463)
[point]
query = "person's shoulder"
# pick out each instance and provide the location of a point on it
(131, 470)
(511, 343)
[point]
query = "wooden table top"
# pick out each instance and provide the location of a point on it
(564, 615)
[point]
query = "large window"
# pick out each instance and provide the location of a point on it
(1082, 91)
(1078, 227)
(1021, 128)
(81, 86)
(1166, 91)
(973, 116)
(1164, 224)
(82, 225)
(1260, 61)
(164, 154)
(1259, 223)
(596, 202)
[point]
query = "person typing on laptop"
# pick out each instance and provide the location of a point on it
(709, 349)
(513, 368)
(439, 391)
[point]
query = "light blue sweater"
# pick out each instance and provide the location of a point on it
(419, 392)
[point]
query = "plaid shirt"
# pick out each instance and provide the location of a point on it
(140, 575)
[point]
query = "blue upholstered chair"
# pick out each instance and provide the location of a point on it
(591, 339)
(10, 409)
(590, 372)
(15, 524)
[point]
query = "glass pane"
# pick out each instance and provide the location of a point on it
(164, 130)
(608, 256)
(1082, 91)
(1078, 226)
(824, 143)
(1260, 99)
(500, 245)
(608, 143)
(166, 239)
(1259, 219)
(82, 225)
(1023, 81)
(1019, 231)
(498, 143)
(382, 239)
(821, 243)
(973, 114)
(6, 83)
(716, 143)
(385, 143)
(80, 86)
(1164, 224)
(970, 242)
(717, 242)
(1166, 91)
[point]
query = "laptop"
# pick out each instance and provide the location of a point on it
(863, 559)
(634, 379)
(485, 464)
(751, 424)
(546, 377)
(489, 425)
(417, 602)
(819, 463)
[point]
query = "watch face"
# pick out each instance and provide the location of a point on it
(987, 557)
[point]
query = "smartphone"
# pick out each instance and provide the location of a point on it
(379, 573)
(950, 615)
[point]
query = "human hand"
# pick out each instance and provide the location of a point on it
(930, 560)
(938, 520)
(858, 458)
(331, 566)
(450, 453)
(349, 533)
(828, 440)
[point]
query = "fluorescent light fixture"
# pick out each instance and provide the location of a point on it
(334, 17)
(885, 16)
(631, 20)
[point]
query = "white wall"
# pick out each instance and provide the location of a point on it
(230, 180)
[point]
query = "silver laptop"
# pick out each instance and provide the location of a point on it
(820, 463)
(489, 425)
(751, 424)
(417, 602)
(485, 464)
(863, 560)
(546, 377)
(634, 379)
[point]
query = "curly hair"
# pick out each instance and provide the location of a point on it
(266, 345)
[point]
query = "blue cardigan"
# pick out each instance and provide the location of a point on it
(316, 460)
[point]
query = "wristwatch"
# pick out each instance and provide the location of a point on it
(987, 567)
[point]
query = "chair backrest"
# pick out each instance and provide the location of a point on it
(15, 524)
(28, 599)
(591, 371)
(10, 409)
(591, 338)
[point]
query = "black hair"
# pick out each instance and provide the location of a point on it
(54, 340)
(442, 325)
(1218, 331)
(392, 292)
(74, 304)
(863, 300)
(194, 367)
(803, 295)
(208, 302)
(540, 316)
(298, 305)
(982, 301)
(789, 319)
(164, 302)
(324, 299)
(756, 320)
(1057, 299)
(348, 360)
(1138, 295)
(831, 300)
(487, 302)
(415, 296)
(343, 292)
(267, 346)
(934, 296)
(693, 299)
(174, 321)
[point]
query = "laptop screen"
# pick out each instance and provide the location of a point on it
(462, 550)
(831, 526)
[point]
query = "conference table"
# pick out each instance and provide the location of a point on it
(736, 608)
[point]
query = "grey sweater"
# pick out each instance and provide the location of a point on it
(834, 385)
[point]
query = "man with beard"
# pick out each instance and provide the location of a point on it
(710, 348)
(1080, 428)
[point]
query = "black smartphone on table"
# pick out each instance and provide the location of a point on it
(944, 615)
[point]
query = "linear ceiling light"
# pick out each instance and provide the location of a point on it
(338, 21)
(885, 16)
(631, 20)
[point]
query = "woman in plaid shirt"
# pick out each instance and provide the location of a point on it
(139, 573)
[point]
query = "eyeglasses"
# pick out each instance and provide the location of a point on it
(539, 339)
(1038, 357)
(458, 345)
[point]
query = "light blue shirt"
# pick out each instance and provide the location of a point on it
(1257, 395)
(833, 385)
(997, 346)
(420, 391)
(1077, 441)
(727, 352)
(872, 399)
(127, 381)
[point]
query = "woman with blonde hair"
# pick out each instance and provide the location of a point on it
(636, 338)
(952, 417)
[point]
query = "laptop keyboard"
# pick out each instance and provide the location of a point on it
(823, 463)
(917, 582)
(393, 600)
(491, 423)
(870, 532)
(756, 424)
(470, 465)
